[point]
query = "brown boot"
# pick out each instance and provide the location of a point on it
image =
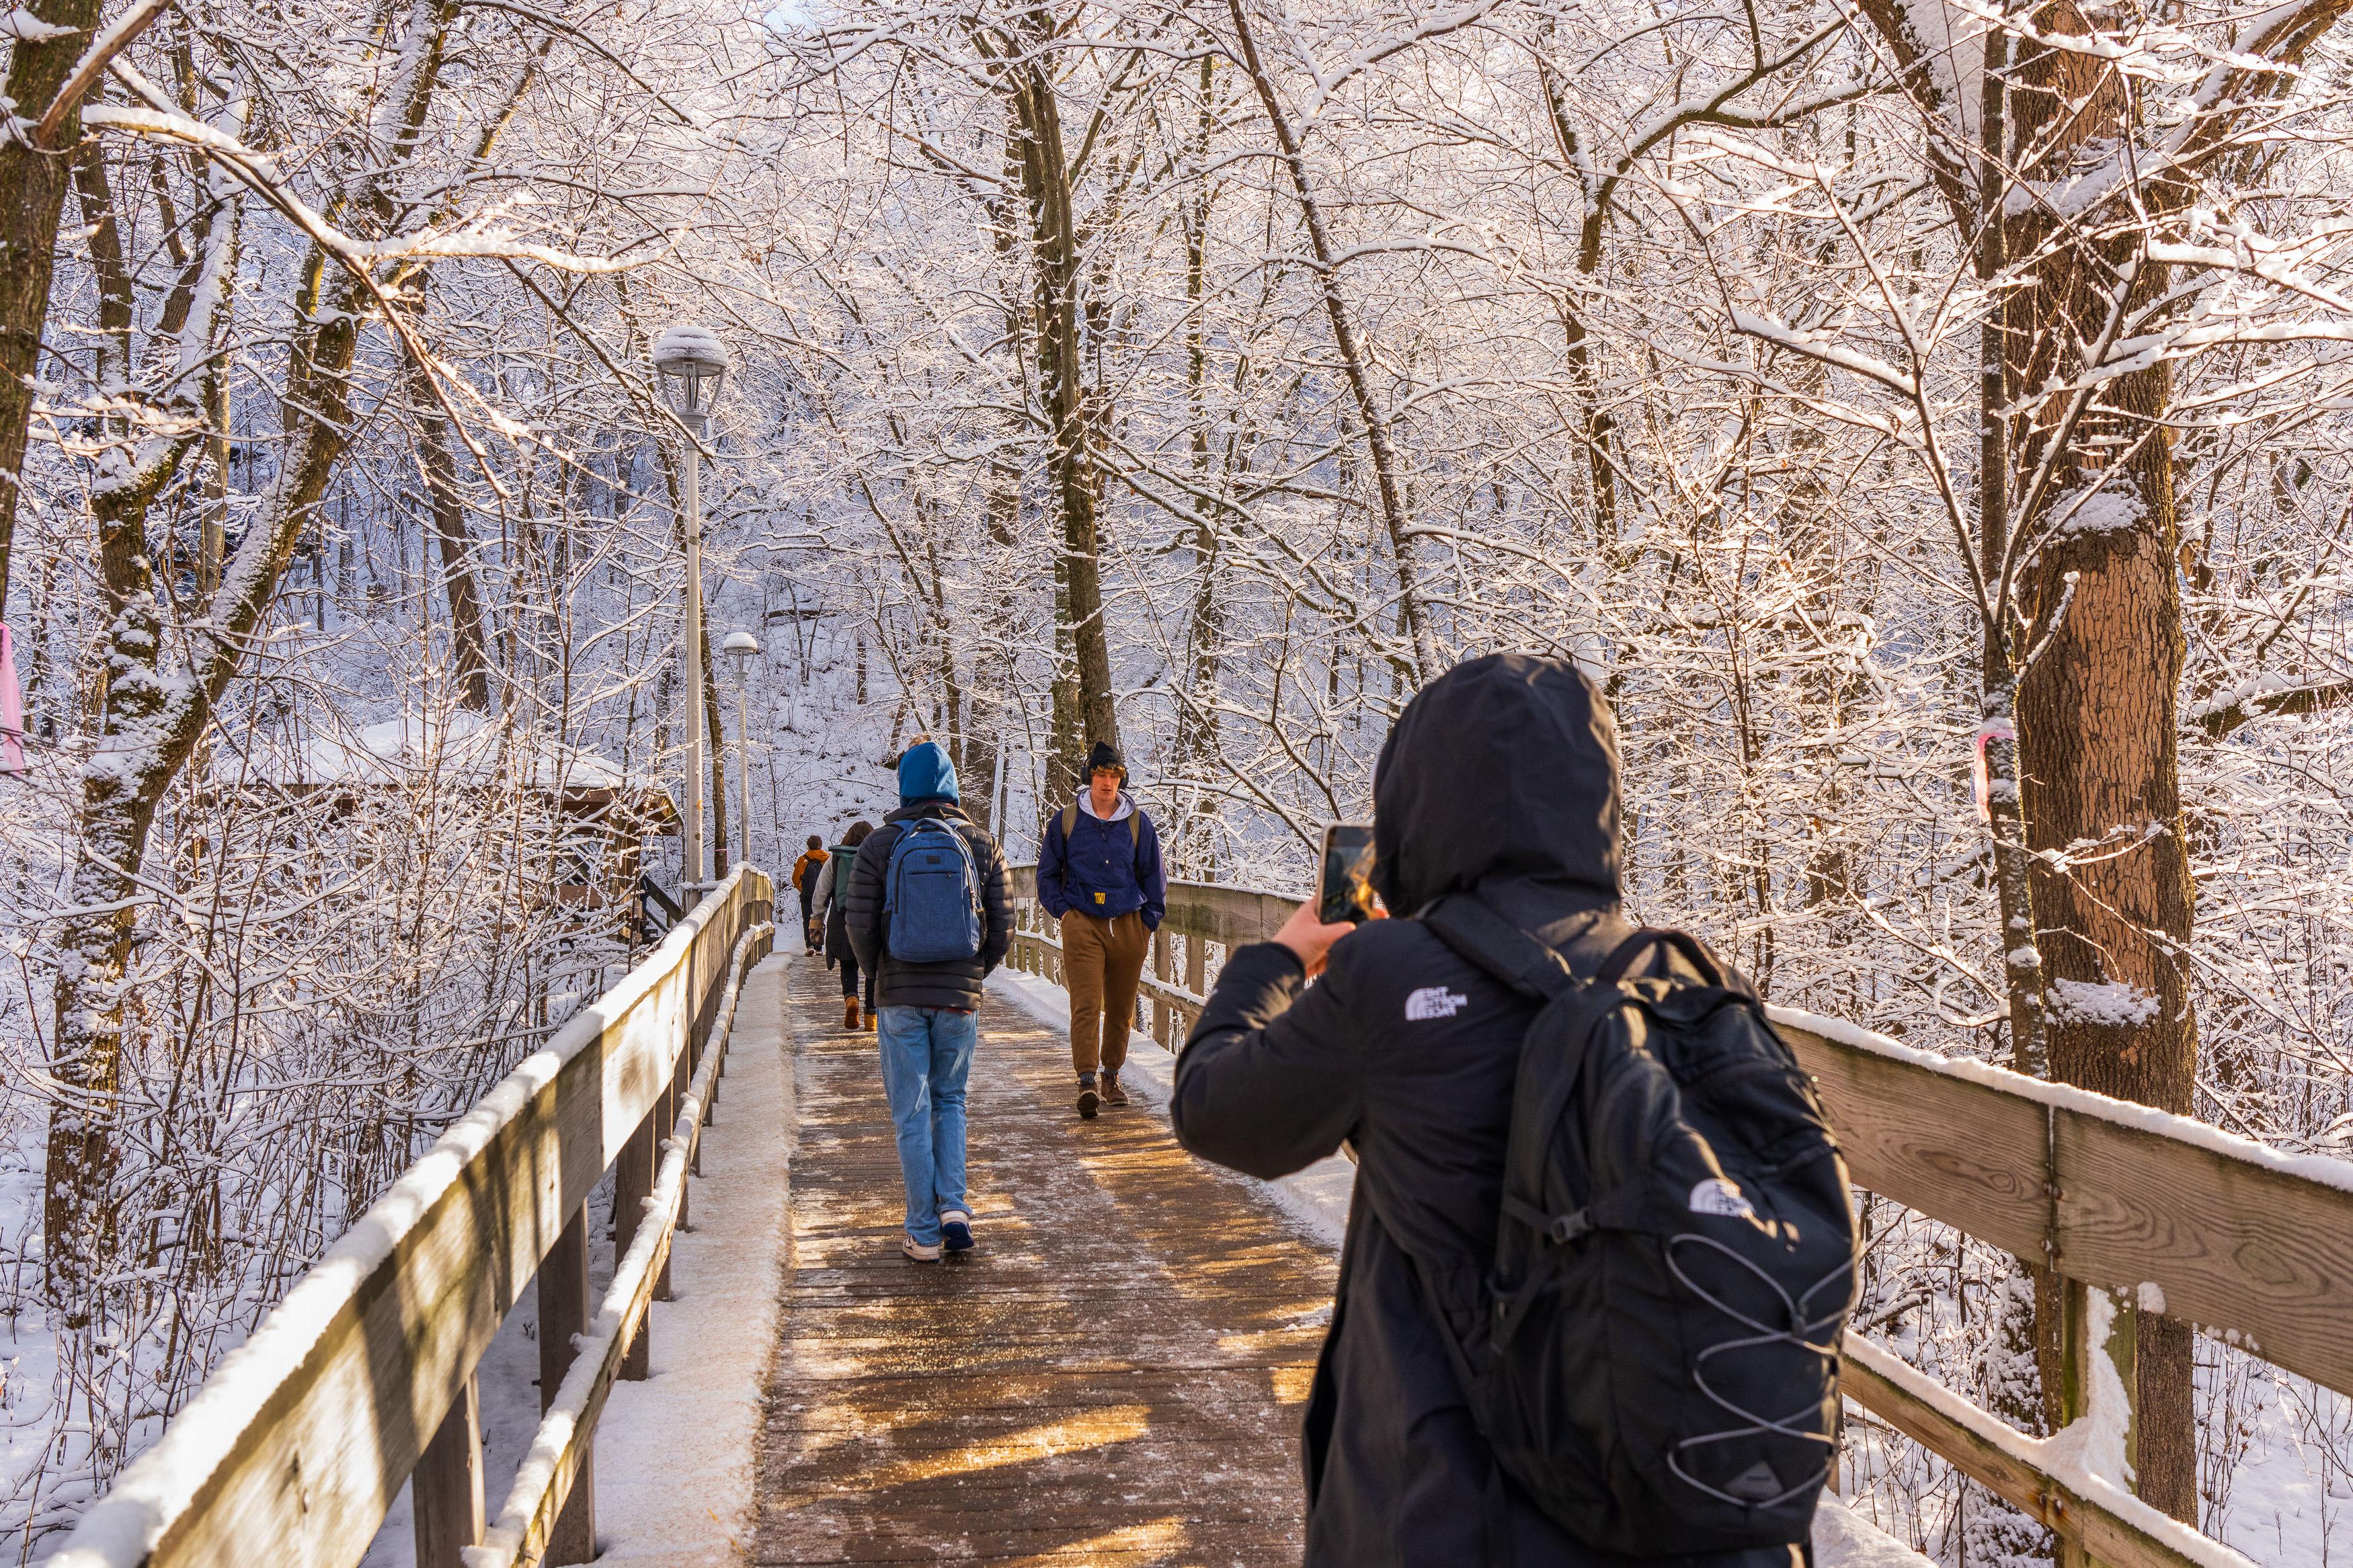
(1111, 1093)
(849, 1013)
(870, 1019)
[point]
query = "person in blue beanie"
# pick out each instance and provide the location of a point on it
(927, 917)
(1099, 873)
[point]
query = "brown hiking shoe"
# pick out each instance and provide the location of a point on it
(870, 1018)
(849, 1013)
(1111, 1093)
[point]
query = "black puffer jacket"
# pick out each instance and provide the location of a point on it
(1501, 776)
(951, 985)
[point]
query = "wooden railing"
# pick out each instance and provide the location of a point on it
(363, 1378)
(2160, 1213)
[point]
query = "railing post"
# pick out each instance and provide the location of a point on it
(1161, 970)
(633, 1182)
(563, 1316)
(1196, 972)
(446, 1491)
(665, 1117)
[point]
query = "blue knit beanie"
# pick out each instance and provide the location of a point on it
(925, 773)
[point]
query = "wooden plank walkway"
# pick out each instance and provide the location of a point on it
(1115, 1377)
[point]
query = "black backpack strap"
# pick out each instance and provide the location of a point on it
(1621, 959)
(1499, 947)
(1619, 1208)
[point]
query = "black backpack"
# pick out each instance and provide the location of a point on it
(1674, 1261)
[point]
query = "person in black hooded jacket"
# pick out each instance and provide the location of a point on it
(1501, 777)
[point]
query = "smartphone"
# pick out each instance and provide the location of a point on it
(1345, 891)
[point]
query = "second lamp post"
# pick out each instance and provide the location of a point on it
(693, 363)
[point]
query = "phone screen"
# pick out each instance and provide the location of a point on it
(1345, 891)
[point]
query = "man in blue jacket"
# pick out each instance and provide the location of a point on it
(1099, 874)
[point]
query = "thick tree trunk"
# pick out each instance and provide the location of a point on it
(154, 719)
(32, 195)
(1069, 411)
(2098, 691)
(149, 729)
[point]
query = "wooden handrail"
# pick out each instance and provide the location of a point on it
(297, 1445)
(2167, 1213)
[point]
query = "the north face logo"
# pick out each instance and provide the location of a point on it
(1434, 1001)
(1717, 1196)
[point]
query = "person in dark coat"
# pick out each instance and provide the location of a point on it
(829, 910)
(1500, 778)
(929, 1024)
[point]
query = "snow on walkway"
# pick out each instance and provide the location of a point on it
(674, 1452)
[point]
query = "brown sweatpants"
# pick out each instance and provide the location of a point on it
(1101, 962)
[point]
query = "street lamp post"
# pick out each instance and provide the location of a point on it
(743, 647)
(693, 363)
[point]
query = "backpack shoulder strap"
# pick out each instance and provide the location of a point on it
(1134, 830)
(1623, 957)
(1070, 820)
(1499, 947)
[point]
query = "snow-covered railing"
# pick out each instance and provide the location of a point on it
(363, 1378)
(2134, 1209)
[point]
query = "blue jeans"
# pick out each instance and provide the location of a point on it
(926, 1056)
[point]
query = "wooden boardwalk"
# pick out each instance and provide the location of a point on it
(1115, 1377)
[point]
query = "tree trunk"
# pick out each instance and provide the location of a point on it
(1195, 745)
(447, 511)
(153, 720)
(149, 729)
(31, 196)
(2098, 692)
(1422, 666)
(1070, 413)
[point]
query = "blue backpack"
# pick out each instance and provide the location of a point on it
(932, 894)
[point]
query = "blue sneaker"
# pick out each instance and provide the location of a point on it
(956, 1231)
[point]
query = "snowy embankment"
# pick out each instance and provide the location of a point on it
(1316, 1200)
(674, 1452)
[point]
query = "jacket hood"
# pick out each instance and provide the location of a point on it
(1119, 813)
(925, 773)
(1503, 769)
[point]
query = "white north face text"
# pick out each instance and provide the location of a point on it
(1433, 1002)
(1717, 1196)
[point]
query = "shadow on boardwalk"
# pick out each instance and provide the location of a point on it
(1115, 1378)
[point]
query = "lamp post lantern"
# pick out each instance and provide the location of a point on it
(693, 363)
(743, 647)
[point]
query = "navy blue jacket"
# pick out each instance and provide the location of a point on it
(1100, 858)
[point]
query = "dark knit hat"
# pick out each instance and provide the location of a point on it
(1105, 756)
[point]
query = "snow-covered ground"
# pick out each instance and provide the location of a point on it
(1317, 1199)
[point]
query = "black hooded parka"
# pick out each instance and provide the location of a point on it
(1500, 777)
